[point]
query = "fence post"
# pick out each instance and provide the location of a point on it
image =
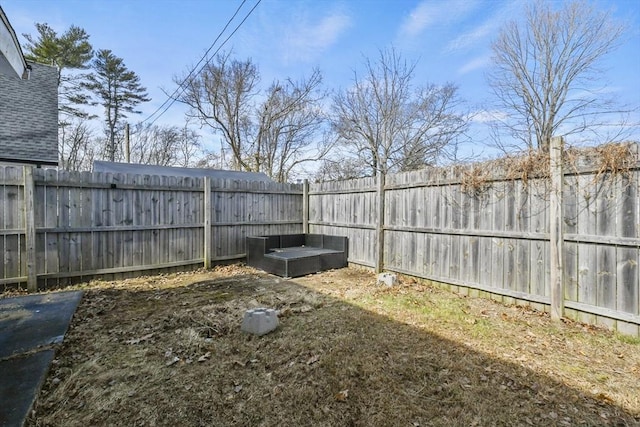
(30, 229)
(207, 222)
(380, 224)
(556, 228)
(305, 207)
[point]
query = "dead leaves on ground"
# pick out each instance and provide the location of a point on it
(134, 341)
(342, 395)
(333, 359)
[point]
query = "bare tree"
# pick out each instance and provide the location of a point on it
(209, 159)
(222, 96)
(272, 131)
(340, 169)
(189, 147)
(76, 149)
(289, 119)
(546, 71)
(392, 125)
(164, 145)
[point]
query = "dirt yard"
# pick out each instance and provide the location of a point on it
(168, 351)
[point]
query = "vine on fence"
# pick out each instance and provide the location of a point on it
(615, 159)
(475, 180)
(610, 160)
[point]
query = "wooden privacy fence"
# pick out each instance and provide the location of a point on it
(57, 227)
(495, 239)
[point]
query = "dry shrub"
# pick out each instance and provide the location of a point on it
(534, 164)
(476, 179)
(616, 159)
(608, 161)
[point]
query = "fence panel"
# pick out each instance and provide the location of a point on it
(97, 224)
(243, 208)
(496, 238)
(492, 238)
(347, 208)
(12, 226)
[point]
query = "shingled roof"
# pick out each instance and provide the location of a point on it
(28, 104)
(29, 117)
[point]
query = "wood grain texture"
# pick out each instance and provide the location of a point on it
(108, 225)
(495, 240)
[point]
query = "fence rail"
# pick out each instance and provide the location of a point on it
(57, 227)
(497, 240)
(81, 225)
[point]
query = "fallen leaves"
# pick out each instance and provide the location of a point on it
(342, 395)
(204, 357)
(172, 361)
(604, 398)
(313, 359)
(335, 361)
(143, 338)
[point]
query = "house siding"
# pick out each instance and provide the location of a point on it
(29, 117)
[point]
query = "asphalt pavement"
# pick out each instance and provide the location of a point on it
(30, 326)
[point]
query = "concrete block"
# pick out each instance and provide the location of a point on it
(388, 279)
(260, 321)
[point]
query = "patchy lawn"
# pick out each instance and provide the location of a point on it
(168, 350)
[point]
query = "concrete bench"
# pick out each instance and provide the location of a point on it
(293, 255)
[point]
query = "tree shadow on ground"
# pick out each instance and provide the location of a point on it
(176, 356)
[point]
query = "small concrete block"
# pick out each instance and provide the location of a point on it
(260, 321)
(388, 279)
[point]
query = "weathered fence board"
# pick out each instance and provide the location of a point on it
(494, 238)
(89, 224)
(347, 208)
(497, 239)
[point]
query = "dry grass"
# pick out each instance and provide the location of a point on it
(168, 350)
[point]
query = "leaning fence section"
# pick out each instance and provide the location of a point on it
(110, 225)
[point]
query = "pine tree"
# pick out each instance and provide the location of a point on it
(118, 90)
(69, 51)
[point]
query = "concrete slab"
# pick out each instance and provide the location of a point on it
(34, 321)
(29, 325)
(20, 380)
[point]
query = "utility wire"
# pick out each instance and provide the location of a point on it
(171, 99)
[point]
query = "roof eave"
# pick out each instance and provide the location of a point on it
(11, 56)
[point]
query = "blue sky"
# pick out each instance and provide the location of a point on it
(450, 40)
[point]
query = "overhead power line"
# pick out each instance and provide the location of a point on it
(171, 99)
(172, 96)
